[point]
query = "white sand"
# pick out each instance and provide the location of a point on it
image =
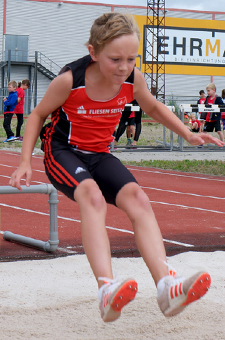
(57, 299)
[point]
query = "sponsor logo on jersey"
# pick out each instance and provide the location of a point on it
(81, 110)
(122, 101)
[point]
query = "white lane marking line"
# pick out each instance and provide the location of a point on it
(13, 153)
(165, 240)
(184, 193)
(179, 243)
(15, 167)
(178, 175)
(19, 154)
(73, 220)
(22, 179)
(187, 207)
(150, 171)
(67, 250)
(36, 212)
(150, 188)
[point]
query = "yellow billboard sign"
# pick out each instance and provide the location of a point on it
(188, 46)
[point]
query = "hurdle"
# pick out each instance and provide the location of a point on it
(164, 143)
(52, 244)
(197, 108)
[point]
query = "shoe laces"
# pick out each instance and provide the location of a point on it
(172, 271)
(107, 282)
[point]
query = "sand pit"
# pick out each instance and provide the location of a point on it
(57, 299)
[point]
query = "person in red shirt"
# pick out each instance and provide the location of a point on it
(23, 86)
(86, 101)
(130, 128)
(223, 113)
(201, 115)
(213, 122)
(195, 123)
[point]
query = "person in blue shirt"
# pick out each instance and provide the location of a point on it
(9, 105)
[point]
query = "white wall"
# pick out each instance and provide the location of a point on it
(60, 32)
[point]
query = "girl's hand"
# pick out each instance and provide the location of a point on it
(202, 138)
(22, 171)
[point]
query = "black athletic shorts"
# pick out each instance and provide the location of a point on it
(131, 121)
(210, 126)
(194, 130)
(66, 167)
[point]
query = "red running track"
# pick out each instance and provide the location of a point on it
(189, 208)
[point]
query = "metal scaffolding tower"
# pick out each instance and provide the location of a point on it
(154, 56)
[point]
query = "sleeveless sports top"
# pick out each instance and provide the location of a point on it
(84, 123)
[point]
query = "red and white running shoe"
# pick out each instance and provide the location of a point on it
(113, 295)
(180, 292)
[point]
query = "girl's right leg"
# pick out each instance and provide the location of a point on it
(95, 240)
(76, 182)
(113, 294)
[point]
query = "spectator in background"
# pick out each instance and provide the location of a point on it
(213, 118)
(137, 121)
(126, 115)
(22, 86)
(202, 115)
(195, 123)
(223, 113)
(130, 129)
(10, 103)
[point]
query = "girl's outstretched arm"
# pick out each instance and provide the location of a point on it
(56, 94)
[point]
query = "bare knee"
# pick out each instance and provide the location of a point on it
(133, 200)
(88, 194)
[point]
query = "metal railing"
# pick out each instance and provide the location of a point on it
(52, 244)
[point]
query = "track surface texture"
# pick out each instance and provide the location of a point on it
(189, 208)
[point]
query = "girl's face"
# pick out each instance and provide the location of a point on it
(117, 59)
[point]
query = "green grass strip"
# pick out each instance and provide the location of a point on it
(212, 167)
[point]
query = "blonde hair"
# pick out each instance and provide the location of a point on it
(110, 26)
(13, 83)
(211, 86)
(192, 115)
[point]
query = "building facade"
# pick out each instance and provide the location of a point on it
(38, 37)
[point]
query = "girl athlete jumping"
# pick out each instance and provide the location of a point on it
(85, 102)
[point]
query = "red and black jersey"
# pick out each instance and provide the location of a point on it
(82, 122)
(201, 100)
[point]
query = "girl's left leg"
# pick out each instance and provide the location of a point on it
(135, 203)
(174, 293)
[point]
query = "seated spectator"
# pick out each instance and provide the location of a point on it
(195, 123)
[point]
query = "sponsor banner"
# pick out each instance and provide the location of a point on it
(187, 46)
